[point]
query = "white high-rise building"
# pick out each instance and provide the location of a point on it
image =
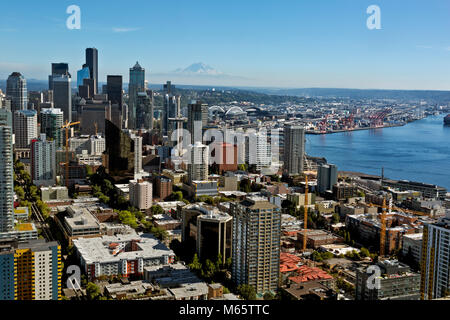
(258, 150)
(139, 173)
(435, 264)
(141, 194)
(198, 162)
(43, 162)
(6, 173)
(25, 127)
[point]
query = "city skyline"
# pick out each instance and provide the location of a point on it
(315, 45)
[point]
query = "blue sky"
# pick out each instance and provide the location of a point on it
(284, 43)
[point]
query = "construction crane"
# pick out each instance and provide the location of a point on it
(383, 229)
(323, 125)
(305, 215)
(66, 127)
(377, 119)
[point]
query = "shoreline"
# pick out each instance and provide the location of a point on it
(357, 129)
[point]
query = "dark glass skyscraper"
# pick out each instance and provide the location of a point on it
(58, 69)
(197, 120)
(144, 110)
(92, 64)
(62, 95)
(114, 90)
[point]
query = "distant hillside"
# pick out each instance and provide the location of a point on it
(229, 95)
(274, 95)
(429, 95)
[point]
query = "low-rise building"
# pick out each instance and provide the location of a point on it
(343, 190)
(134, 290)
(177, 176)
(126, 254)
(396, 282)
(299, 199)
(202, 188)
(312, 290)
(78, 222)
(179, 281)
(21, 213)
(317, 238)
(54, 193)
(166, 222)
(124, 190)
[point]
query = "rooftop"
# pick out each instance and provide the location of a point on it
(289, 262)
(116, 248)
(306, 274)
(80, 218)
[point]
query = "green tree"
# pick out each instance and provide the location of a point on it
(219, 263)
(177, 196)
(228, 263)
(107, 186)
(336, 218)
(195, 265)
(19, 192)
(247, 292)
(92, 291)
(128, 218)
(209, 269)
(156, 209)
(103, 198)
(316, 256)
(365, 252)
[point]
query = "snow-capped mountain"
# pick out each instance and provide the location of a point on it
(200, 69)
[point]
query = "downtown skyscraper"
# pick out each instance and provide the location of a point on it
(115, 90)
(43, 161)
(198, 163)
(60, 83)
(136, 85)
(197, 120)
(294, 149)
(16, 90)
(51, 120)
(6, 172)
(25, 128)
(58, 69)
(92, 64)
(144, 110)
(256, 243)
